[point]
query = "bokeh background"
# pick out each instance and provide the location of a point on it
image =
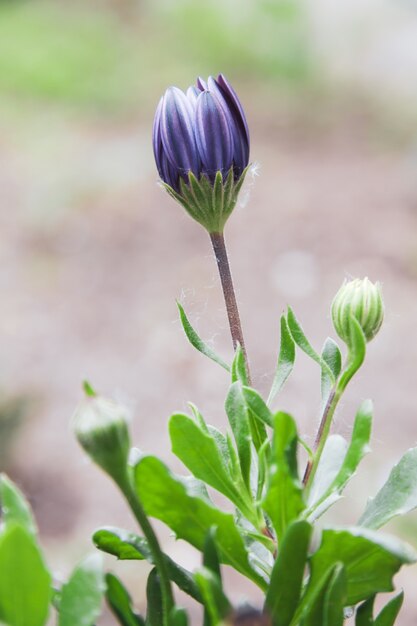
(93, 254)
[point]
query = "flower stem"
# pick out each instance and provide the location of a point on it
(155, 548)
(220, 252)
(322, 434)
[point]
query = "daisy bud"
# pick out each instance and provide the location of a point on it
(100, 426)
(361, 299)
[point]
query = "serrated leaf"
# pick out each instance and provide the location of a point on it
(286, 360)
(365, 612)
(154, 612)
(192, 517)
(197, 342)
(284, 496)
(371, 560)
(287, 574)
(397, 497)
(198, 451)
(215, 601)
(389, 613)
(82, 595)
(14, 506)
(303, 343)
(120, 602)
(25, 583)
(239, 371)
(237, 413)
(358, 448)
(126, 545)
(332, 356)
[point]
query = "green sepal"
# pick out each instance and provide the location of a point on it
(209, 203)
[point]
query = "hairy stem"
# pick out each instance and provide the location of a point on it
(322, 434)
(220, 252)
(150, 536)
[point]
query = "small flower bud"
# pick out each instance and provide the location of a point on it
(101, 428)
(201, 148)
(361, 299)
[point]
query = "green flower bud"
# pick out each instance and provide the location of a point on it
(101, 428)
(361, 299)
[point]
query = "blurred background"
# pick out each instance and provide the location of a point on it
(93, 254)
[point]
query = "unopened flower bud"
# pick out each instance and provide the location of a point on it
(101, 428)
(361, 299)
(201, 148)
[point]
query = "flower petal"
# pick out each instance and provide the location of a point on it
(177, 132)
(214, 139)
(240, 128)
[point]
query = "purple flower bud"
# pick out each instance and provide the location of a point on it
(201, 132)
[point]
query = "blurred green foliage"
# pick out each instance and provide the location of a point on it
(93, 56)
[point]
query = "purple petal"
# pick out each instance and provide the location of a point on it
(177, 132)
(168, 173)
(201, 84)
(192, 94)
(241, 132)
(240, 144)
(214, 139)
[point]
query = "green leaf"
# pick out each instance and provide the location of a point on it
(237, 413)
(239, 371)
(192, 517)
(335, 598)
(25, 583)
(286, 360)
(303, 343)
(14, 506)
(364, 613)
(287, 574)
(126, 545)
(198, 343)
(332, 356)
(257, 406)
(358, 448)
(371, 560)
(210, 555)
(120, 603)
(154, 614)
(331, 461)
(397, 497)
(122, 544)
(178, 617)
(217, 605)
(284, 497)
(326, 600)
(389, 613)
(81, 596)
(198, 450)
